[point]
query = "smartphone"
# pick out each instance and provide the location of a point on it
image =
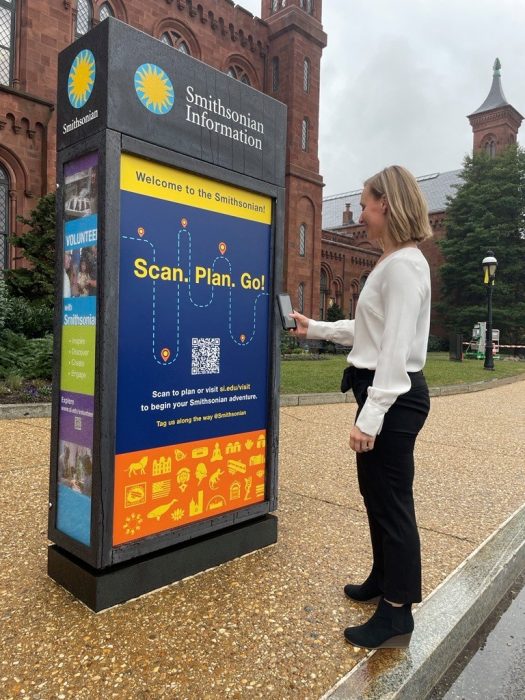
(285, 308)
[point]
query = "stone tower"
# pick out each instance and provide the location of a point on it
(295, 42)
(495, 124)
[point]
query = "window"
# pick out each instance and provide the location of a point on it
(239, 74)
(84, 17)
(300, 297)
(302, 239)
(490, 148)
(305, 134)
(278, 5)
(306, 75)
(275, 74)
(4, 218)
(307, 6)
(105, 12)
(323, 296)
(174, 39)
(7, 35)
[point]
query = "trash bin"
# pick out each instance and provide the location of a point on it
(456, 347)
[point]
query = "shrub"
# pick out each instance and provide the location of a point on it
(335, 313)
(14, 381)
(437, 344)
(31, 358)
(41, 365)
(37, 245)
(287, 343)
(32, 319)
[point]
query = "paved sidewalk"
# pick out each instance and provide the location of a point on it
(270, 624)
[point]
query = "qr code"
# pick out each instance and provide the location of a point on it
(205, 355)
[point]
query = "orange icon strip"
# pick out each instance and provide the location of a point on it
(166, 487)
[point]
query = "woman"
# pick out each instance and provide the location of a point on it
(389, 338)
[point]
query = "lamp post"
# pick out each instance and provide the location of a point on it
(489, 273)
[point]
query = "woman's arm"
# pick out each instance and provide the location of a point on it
(341, 332)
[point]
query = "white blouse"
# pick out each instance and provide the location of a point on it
(389, 333)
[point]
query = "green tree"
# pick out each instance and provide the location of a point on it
(487, 213)
(36, 283)
(334, 313)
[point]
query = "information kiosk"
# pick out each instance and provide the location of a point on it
(165, 406)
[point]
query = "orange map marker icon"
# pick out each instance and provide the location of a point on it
(141, 231)
(242, 338)
(165, 354)
(222, 248)
(184, 223)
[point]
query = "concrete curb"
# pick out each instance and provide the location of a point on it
(11, 411)
(445, 622)
(337, 397)
(43, 410)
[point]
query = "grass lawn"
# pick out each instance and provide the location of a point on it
(307, 377)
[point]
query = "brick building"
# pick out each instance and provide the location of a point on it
(327, 256)
(279, 54)
(347, 257)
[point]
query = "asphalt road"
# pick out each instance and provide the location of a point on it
(492, 666)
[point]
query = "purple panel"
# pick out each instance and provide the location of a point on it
(76, 418)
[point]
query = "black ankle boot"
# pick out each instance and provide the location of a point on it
(388, 628)
(367, 592)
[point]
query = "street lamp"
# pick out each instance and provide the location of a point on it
(489, 273)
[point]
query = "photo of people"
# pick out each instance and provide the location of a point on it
(75, 467)
(80, 272)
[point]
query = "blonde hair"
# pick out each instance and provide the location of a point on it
(407, 213)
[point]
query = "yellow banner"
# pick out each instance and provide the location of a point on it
(153, 179)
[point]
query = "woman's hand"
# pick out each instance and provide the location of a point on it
(302, 324)
(361, 442)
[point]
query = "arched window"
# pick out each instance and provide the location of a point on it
(84, 17)
(305, 135)
(239, 74)
(4, 218)
(275, 74)
(302, 239)
(490, 147)
(173, 38)
(7, 39)
(307, 6)
(354, 298)
(300, 297)
(105, 11)
(278, 5)
(306, 75)
(324, 294)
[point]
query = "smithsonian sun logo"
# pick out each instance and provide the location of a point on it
(154, 88)
(81, 79)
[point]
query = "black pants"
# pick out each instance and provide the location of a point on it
(386, 476)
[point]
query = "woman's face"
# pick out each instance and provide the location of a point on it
(373, 215)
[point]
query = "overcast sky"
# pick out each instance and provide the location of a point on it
(398, 78)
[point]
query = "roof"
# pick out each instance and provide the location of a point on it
(495, 99)
(435, 187)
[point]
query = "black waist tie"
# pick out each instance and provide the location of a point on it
(386, 475)
(408, 412)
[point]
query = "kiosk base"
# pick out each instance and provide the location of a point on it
(103, 589)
